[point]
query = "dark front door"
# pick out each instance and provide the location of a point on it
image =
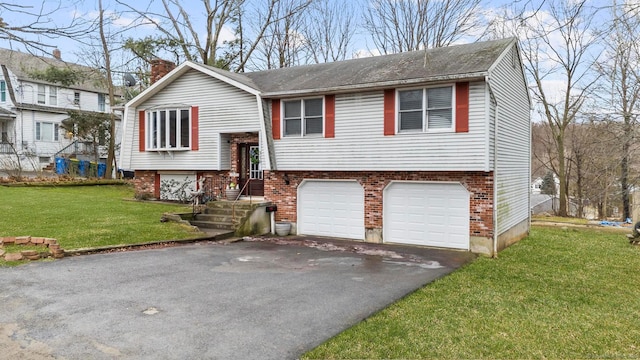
(250, 169)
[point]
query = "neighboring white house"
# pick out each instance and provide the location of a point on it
(424, 148)
(536, 185)
(32, 110)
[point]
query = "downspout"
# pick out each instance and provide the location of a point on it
(495, 181)
(495, 170)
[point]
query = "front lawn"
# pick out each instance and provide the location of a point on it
(87, 216)
(561, 293)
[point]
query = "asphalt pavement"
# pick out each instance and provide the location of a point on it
(265, 299)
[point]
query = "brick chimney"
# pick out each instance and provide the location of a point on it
(160, 68)
(57, 54)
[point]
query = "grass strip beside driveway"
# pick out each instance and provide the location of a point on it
(87, 216)
(561, 293)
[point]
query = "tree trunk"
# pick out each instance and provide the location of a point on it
(562, 176)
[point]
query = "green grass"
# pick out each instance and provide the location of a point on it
(559, 219)
(558, 294)
(87, 216)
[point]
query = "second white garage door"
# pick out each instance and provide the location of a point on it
(331, 208)
(431, 214)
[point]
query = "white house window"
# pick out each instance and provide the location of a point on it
(42, 94)
(303, 117)
(46, 131)
(53, 95)
(425, 109)
(168, 129)
(3, 91)
(76, 98)
(101, 102)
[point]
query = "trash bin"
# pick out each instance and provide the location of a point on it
(74, 167)
(102, 169)
(93, 169)
(62, 166)
(83, 168)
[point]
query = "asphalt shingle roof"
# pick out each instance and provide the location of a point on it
(23, 64)
(415, 66)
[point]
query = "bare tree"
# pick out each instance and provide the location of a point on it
(283, 43)
(33, 26)
(209, 45)
(558, 47)
(406, 25)
(621, 84)
(329, 30)
(106, 52)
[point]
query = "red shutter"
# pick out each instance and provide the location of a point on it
(194, 128)
(156, 186)
(275, 118)
(330, 116)
(462, 107)
(142, 132)
(390, 112)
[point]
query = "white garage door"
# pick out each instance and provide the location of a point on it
(331, 208)
(431, 214)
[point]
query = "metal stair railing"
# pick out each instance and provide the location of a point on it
(233, 206)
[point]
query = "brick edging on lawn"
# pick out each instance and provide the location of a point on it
(50, 248)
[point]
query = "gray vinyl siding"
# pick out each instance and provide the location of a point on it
(360, 143)
(513, 142)
(223, 109)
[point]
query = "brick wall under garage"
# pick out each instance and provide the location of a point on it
(479, 184)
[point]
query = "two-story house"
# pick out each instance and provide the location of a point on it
(31, 110)
(425, 148)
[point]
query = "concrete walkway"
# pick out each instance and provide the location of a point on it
(265, 299)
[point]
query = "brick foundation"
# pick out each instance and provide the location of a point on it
(276, 189)
(479, 184)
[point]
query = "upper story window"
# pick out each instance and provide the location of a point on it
(429, 109)
(46, 131)
(168, 129)
(42, 94)
(3, 91)
(101, 102)
(76, 98)
(53, 95)
(303, 117)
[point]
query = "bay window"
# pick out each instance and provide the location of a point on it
(168, 129)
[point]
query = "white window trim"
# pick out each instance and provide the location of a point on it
(43, 93)
(102, 105)
(3, 91)
(302, 118)
(56, 131)
(425, 128)
(53, 95)
(149, 132)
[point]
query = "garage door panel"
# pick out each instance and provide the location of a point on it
(422, 213)
(331, 208)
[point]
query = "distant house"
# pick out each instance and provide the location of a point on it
(536, 184)
(423, 148)
(31, 110)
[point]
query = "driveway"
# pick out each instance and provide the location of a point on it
(259, 299)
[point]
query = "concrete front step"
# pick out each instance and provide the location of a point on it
(222, 204)
(223, 218)
(239, 213)
(213, 225)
